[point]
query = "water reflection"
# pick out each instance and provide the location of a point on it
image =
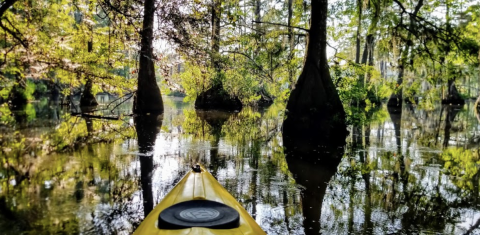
(451, 114)
(408, 172)
(147, 127)
(215, 120)
(312, 160)
(314, 179)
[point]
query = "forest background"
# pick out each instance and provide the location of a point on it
(423, 52)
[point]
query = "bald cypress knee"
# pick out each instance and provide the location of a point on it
(314, 105)
(148, 98)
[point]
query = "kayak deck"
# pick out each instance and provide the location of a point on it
(198, 186)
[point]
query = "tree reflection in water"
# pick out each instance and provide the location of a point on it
(396, 176)
(147, 127)
(312, 162)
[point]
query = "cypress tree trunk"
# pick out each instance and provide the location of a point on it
(314, 104)
(88, 99)
(453, 96)
(148, 98)
(17, 96)
(367, 56)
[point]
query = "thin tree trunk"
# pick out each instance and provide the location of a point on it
(215, 42)
(367, 56)
(291, 42)
(258, 34)
(367, 53)
(258, 16)
(396, 99)
(148, 98)
(359, 28)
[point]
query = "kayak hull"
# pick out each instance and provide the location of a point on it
(198, 186)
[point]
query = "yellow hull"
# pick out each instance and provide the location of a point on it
(198, 186)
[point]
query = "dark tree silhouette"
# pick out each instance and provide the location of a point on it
(314, 102)
(148, 98)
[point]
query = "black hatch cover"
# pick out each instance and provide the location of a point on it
(199, 213)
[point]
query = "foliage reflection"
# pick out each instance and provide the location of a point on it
(401, 171)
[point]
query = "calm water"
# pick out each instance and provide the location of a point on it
(414, 172)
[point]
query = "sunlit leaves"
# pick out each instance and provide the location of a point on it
(241, 84)
(6, 117)
(58, 34)
(195, 79)
(461, 162)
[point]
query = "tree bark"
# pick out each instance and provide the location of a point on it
(88, 99)
(314, 104)
(148, 98)
(367, 56)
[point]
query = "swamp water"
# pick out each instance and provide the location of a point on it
(407, 172)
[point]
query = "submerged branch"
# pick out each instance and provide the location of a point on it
(95, 116)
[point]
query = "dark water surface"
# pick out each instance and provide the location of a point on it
(408, 172)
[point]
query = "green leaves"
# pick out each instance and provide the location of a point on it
(68, 40)
(461, 163)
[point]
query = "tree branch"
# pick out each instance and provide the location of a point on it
(253, 61)
(283, 25)
(401, 6)
(13, 34)
(6, 4)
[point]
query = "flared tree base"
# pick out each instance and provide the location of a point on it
(217, 98)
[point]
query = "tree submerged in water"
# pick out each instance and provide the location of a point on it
(314, 108)
(148, 98)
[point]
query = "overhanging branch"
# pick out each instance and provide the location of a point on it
(283, 25)
(14, 35)
(5, 5)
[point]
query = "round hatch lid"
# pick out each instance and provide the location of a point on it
(199, 213)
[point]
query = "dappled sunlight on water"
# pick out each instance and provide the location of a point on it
(415, 174)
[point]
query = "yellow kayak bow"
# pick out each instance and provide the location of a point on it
(198, 204)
